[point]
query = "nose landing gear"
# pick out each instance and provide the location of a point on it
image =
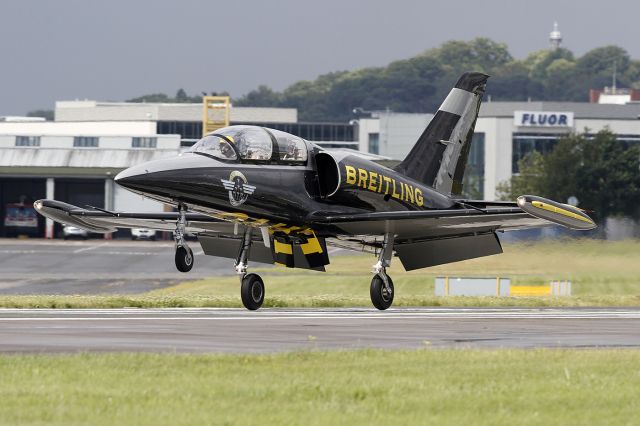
(184, 254)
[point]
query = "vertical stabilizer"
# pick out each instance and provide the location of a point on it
(439, 157)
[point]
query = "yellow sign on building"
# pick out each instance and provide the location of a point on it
(216, 113)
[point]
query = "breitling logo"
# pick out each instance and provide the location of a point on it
(239, 189)
(377, 182)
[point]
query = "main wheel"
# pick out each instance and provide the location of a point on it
(252, 291)
(184, 259)
(380, 296)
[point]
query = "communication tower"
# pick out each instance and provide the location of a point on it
(555, 37)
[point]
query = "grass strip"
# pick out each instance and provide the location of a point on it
(492, 387)
(326, 301)
(603, 273)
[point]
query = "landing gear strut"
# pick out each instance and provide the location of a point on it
(184, 254)
(381, 285)
(251, 285)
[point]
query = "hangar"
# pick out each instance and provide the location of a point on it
(75, 157)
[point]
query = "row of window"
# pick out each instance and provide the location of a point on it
(316, 132)
(524, 143)
(89, 141)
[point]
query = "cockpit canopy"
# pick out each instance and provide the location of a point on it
(252, 143)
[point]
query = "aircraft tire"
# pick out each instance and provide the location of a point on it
(379, 296)
(252, 291)
(184, 259)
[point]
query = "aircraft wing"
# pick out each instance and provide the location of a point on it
(471, 217)
(216, 237)
(434, 223)
(433, 237)
(104, 221)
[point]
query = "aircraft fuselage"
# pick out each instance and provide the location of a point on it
(337, 183)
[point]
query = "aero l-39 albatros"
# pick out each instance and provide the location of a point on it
(256, 194)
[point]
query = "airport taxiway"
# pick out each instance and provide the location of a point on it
(272, 330)
(36, 266)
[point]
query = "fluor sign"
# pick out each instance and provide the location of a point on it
(542, 119)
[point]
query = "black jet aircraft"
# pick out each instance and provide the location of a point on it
(256, 194)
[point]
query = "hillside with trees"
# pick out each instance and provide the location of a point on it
(420, 83)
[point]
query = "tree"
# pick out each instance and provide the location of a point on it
(599, 170)
(154, 97)
(263, 96)
(528, 182)
(419, 84)
(181, 97)
(47, 114)
(512, 82)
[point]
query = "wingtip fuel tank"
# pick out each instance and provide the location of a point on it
(562, 214)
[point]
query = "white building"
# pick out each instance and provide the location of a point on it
(506, 131)
(74, 158)
(390, 134)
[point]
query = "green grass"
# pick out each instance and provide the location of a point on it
(503, 387)
(603, 274)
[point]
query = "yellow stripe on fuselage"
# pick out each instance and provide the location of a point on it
(554, 209)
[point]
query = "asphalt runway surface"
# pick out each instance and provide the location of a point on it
(273, 330)
(97, 266)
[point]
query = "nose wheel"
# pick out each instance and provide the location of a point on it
(184, 258)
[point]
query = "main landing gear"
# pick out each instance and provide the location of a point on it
(184, 254)
(251, 285)
(381, 285)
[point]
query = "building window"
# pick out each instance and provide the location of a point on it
(524, 143)
(85, 141)
(27, 140)
(144, 142)
(316, 132)
(473, 181)
(374, 143)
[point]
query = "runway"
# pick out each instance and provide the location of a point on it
(273, 330)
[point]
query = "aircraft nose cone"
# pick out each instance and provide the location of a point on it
(127, 175)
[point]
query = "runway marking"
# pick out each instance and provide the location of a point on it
(80, 250)
(60, 252)
(233, 314)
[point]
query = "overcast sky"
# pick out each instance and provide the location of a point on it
(118, 49)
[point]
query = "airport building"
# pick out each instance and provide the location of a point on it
(505, 132)
(75, 157)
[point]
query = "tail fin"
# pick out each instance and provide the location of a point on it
(439, 157)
